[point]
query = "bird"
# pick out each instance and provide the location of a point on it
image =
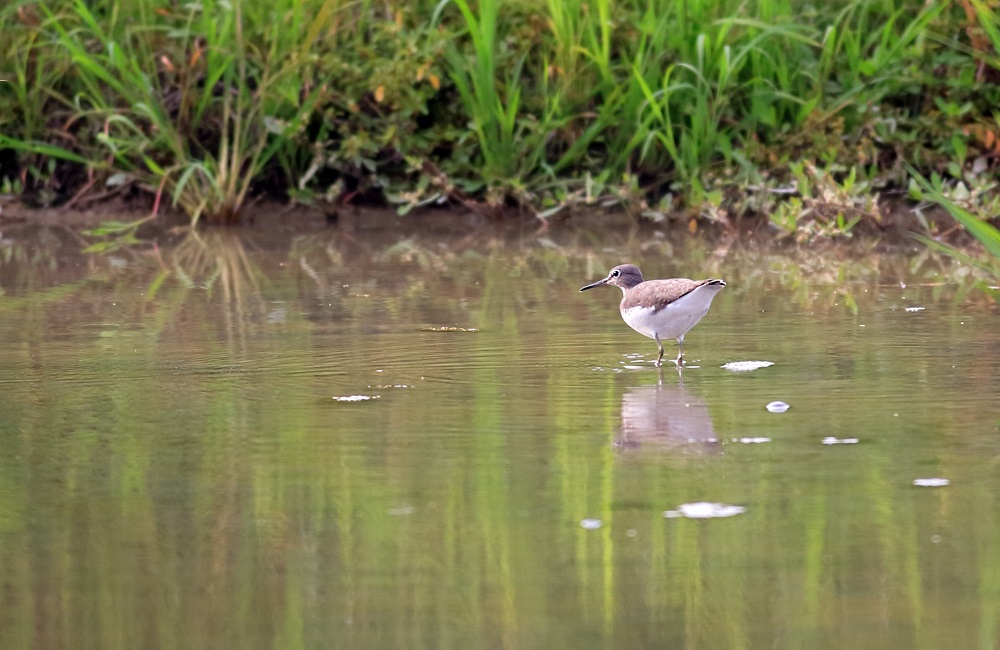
(661, 309)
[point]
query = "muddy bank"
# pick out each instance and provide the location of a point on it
(891, 226)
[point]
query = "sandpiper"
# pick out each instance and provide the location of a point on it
(661, 309)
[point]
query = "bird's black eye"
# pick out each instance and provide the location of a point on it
(615, 273)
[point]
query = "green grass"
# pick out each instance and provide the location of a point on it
(980, 228)
(180, 102)
(646, 102)
(492, 101)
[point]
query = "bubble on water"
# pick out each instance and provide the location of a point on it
(915, 308)
(704, 510)
(591, 524)
(777, 407)
(355, 398)
(752, 441)
(746, 366)
(931, 482)
(830, 440)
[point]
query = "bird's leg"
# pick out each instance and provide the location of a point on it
(659, 359)
(680, 352)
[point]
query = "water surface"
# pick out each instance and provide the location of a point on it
(177, 471)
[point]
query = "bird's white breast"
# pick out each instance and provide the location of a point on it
(674, 320)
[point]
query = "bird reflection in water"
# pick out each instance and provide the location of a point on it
(665, 418)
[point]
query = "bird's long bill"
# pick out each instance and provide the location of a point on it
(596, 284)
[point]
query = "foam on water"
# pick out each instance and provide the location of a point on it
(931, 482)
(746, 366)
(704, 510)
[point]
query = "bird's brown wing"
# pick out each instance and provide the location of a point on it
(660, 293)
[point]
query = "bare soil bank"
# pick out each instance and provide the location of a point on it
(896, 221)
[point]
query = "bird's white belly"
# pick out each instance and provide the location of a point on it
(674, 320)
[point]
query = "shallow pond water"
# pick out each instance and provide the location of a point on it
(369, 437)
